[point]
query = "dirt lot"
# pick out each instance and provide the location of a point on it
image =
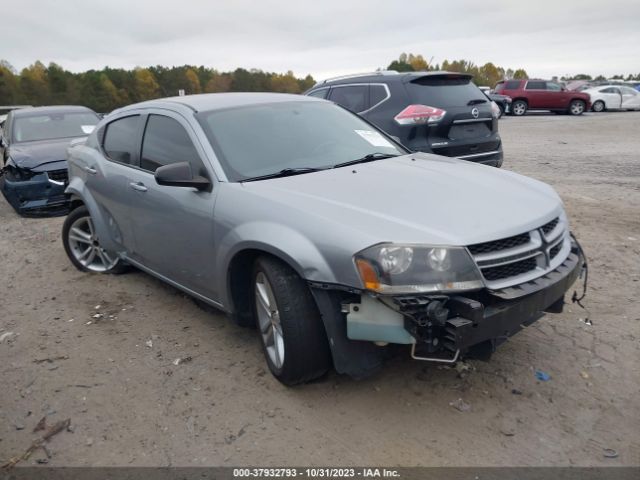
(130, 405)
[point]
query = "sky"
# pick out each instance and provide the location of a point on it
(324, 38)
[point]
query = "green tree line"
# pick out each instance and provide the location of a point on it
(109, 88)
(487, 74)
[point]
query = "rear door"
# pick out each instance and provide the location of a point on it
(172, 226)
(536, 91)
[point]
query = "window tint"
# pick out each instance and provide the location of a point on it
(512, 85)
(353, 97)
(536, 85)
(166, 142)
(120, 139)
(444, 91)
(377, 93)
(322, 93)
(554, 87)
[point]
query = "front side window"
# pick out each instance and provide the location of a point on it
(120, 139)
(264, 139)
(353, 97)
(53, 125)
(554, 87)
(535, 85)
(166, 142)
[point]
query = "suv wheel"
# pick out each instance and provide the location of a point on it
(519, 108)
(598, 106)
(576, 107)
(293, 337)
(82, 245)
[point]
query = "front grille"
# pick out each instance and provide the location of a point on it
(549, 227)
(555, 250)
(498, 245)
(509, 270)
(58, 175)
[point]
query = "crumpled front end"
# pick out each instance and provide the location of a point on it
(35, 193)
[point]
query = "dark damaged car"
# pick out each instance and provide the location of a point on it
(34, 146)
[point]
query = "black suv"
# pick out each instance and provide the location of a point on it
(437, 112)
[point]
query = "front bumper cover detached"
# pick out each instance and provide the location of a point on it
(437, 327)
(36, 195)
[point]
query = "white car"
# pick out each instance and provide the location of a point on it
(613, 97)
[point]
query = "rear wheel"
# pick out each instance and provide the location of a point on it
(519, 108)
(83, 247)
(293, 337)
(598, 106)
(576, 107)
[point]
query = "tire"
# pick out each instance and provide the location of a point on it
(598, 106)
(576, 107)
(519, 108)
(293, 338)
(83, 248)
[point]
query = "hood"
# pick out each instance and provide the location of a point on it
(432, 199)
(36, 155)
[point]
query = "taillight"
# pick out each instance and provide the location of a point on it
(419, 115)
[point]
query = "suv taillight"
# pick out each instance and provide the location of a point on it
(495, 110)
(419, 115)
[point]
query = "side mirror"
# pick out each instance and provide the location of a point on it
(180, 175)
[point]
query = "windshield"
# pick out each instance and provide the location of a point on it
(265, 139)
(53, 125)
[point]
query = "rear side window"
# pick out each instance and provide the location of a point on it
(120, 139)
(166, 142)
(443, 91)
(352, 97)
(536, 85)
(322, 93)
(609, 90)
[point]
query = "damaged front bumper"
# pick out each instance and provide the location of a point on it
(35, 193)
(443, 328)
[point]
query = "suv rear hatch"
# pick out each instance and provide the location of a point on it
(468, 128)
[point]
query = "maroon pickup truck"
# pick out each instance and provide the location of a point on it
(543, 95)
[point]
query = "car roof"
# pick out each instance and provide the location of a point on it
(385, 77)
(35, 111)
(218, 101)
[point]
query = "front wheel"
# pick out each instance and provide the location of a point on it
(598, 106)
(83, 247)
(576, 107)
(293, 337)
(519, 108)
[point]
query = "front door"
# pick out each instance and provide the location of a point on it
(172, 226)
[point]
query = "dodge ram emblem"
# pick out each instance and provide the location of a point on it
(475, 112)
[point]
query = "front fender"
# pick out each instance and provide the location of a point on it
(78, 189)
(281, 241)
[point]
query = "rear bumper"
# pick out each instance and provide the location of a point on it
(36, 196)
(493, 158)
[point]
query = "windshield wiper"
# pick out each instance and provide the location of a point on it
(476, 101)
(286, 172)
(367, 158)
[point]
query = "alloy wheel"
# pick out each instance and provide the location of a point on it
(577, 108)
(86, 248)
(269, 320)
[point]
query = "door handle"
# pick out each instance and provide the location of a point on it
(138, 186)
(90, 170)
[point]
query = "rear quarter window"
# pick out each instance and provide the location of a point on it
(512, 85)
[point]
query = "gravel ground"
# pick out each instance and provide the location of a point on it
(129, 404)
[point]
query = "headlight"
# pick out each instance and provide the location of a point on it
(397, 269)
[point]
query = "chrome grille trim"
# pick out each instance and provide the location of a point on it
(552, 236)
